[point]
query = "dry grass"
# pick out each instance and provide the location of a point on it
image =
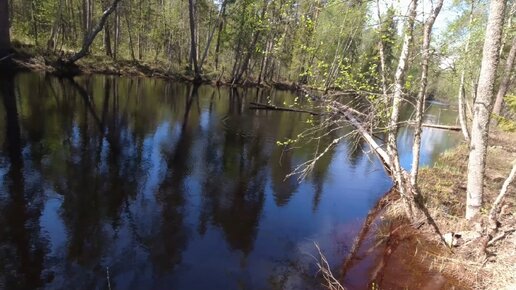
(444, 190)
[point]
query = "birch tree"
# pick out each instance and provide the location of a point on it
(482, 108)
(193, 40)
(421, 98)
(393, 128)
(462, 94)
(364, 122)
(506, 80)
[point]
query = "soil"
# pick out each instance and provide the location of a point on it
(405, 260)
(413, 256)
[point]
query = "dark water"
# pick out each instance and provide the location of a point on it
(145, 184)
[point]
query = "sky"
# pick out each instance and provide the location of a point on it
(446, 16)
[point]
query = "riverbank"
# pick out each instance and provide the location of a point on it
(30, 58)
(469, 264)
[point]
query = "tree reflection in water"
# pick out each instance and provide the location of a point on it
(168, 186)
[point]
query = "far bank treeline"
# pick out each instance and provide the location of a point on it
(324, 44)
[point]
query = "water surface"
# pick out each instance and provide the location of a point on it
(132, 183)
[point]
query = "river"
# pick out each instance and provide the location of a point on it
(134, 183)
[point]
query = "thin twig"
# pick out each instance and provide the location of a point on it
(6, 57)
(108, 280)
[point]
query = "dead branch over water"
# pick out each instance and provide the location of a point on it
(260, 106)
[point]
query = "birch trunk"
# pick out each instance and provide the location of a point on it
(220, 19)
(52, 39)
(462, 109)
(244, 65)
(193, 40)
(482, 108)
(85, 18)
(462, 93)
(129, 35)
(506, 81)
(421, 98)
(381, 50)
(117, 34)
(392, 147)
(219, 33)
(495, 210)
(107, 37)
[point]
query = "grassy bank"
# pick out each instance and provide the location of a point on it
(37, 59)
(31, 58)
(443, 186)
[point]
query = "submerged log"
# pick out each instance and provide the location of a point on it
(260, 106)
(443, 127)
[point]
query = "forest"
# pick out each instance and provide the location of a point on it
(351, 63)
(324, 44)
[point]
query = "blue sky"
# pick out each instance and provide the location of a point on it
(447, 14)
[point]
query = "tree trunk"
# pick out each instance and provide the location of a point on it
(52, 39)
(462, 93)
(107, 41)
(244, 64)
(506, 81)
(74, 23)
(482, 108)
(220, 27)
(421, 98)
(462, 109)
(91, 36)
(86, 18)
(139, 44)
(139, 34)
(212, 33)
(34, 23)
(395, 112)
(508, 27)
(495, 210)
(381, 50)
(129, 35)
(265, 60)
(117, 33)
(5, 39)
(193, 40)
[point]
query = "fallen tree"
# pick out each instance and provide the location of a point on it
(90, 37)
(443, 127)
(260, 106)
(369, 123)
(496, 208)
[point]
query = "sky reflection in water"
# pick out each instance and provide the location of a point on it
(171, 187)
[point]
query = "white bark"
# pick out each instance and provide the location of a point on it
(493, 215)
(506, 81)
(482, 108)
(421, 98)
(396, 106)
(212, 33)
(381, 50)
(193, 39)
(462, 94)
